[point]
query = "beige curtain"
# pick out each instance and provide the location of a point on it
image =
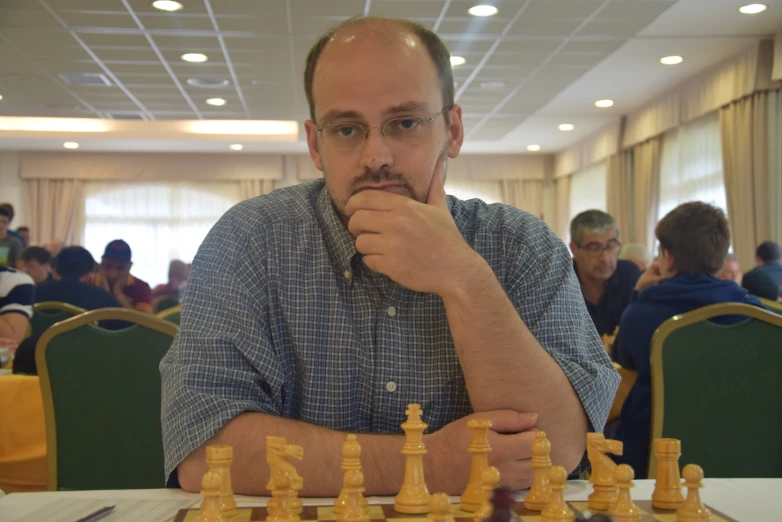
(619, 192)
(53, 208)
(562, 194)
(747, 156)
(524, 194)
(250, 188)
(645, 191)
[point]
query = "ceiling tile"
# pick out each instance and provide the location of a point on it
(272, 8)
(93, 39)
(26, 17)
(95, 19)
(177, 23)
(485, 26)
(332, 8)
(406, 8)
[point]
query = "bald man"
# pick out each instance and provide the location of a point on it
(328, 307)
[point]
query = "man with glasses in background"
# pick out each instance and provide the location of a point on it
(330, 306)
(607, 282)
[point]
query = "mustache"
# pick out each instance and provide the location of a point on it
(380, 175)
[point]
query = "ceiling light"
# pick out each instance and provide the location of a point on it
(194, 57)
(217, 102)
(483, 10)
(236, 146)
(566, 127)
(671, 60)
(70, 145)
(207, 82)
(492, 85)
(604, 103)
(1, 96)
(457, 60)
(752, 8)
(167, 5)
(533, 148)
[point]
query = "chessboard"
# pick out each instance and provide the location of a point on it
(386, 513)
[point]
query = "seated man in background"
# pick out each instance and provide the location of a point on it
(768, 257)
(694, 240)
(10, 246)
(330, 306)
(170, 292)
(606, 281)
(637, 253)
(114, 276)
(17, 295)
(731, 270)
(74, 266)
(761, 284)
(37, 263)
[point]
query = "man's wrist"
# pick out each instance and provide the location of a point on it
(470, 276)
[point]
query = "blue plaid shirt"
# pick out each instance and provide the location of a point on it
(282, 317)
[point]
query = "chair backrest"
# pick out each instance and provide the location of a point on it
(718, 389)
(774, 306)
(50, 312)
(101, 396)
(173, 314)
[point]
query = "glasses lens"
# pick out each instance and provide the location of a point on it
(344, 135)
(406, 130)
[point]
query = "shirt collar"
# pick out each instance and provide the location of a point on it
(338, 239)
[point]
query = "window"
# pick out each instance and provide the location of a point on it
(587, 191)
(691, 165)
(160, 221)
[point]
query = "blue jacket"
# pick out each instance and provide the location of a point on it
(632, 348)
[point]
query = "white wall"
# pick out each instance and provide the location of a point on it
(11, 186)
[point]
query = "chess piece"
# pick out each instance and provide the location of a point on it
(603, 470)
(413, 497)
(539, 494)
(668, 487)
(557, 509)
(440, 508)
(624, 510)
(502, 503)
(353, 510)
(692, 509)
(283, 493)
(351, 453)
(219, 458)
(490, 479)
(277, 452)
(210, 507)
(472, 498)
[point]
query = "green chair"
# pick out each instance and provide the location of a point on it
(50, 312)
(101, 397)
(718, 389)
(774, 306)
(166, 304)
(173, 314)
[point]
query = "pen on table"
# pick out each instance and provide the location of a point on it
(102, 512)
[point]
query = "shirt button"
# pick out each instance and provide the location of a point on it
(391, 386)
(346, 273)
(391, 313)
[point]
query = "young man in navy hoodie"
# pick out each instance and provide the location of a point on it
(694, 240)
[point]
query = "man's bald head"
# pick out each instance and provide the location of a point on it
(396, 33)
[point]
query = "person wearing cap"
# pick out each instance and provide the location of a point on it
(114, 275)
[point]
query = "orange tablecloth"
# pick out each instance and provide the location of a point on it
(22, 434)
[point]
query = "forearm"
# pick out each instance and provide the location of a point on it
(383, 464)
(505, 367)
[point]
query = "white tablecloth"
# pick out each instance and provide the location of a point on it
(746, 500)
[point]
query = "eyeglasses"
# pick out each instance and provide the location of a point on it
(404, 129)
(595, 249)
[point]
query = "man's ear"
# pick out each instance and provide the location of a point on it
(455, 131)
(668, 261)
(572, 248)
(312, 143)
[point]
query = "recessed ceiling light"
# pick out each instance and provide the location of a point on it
(483, 10)
(752, 8)
(533, 148)
(457, 60)
(671, 60)
(194, 57)
(566, 127)
(207, 82)
(1, 96)
(217, 102)
(167, 5)
(70, 145)
(492, 85)
(604, 103)
(236, 146)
